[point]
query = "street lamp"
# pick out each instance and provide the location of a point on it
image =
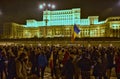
(45, 7)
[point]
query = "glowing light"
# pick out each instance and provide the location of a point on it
(41, 6)
(49, 5)
(118, 3)
(44, 4)
(53, 6)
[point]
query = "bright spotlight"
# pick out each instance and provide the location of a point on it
(44, 4)
(53, 6)
(41, 6)
(49, 5)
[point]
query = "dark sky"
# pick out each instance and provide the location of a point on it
(21, 10)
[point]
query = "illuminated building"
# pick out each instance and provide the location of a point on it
(59, 17)
(60, 23)
(13, 30)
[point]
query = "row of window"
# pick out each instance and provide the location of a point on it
(114, 19)
(116, 27)
(61, 19)
(63, 16)
(62, 12)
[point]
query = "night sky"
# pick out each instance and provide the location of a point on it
(20, 10)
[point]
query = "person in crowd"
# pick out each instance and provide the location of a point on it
(104, 62)
(97, 70)
(54, 64)
(85, 66)
(77, 57)
(42, 63)
(48, 53)
(110, 58)
(66, 57)
(33, 60)
(28, 65)
(117, 61)
(3, 64)
(21, 71)
(68, 68)
(60, 58)
(11, 67)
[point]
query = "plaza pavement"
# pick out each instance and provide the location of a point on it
(48, 76)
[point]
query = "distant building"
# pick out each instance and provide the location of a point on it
(60, 23)
(13, 30)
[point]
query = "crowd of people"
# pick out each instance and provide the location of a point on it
(65, 62)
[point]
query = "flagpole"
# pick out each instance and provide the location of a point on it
(72, 40)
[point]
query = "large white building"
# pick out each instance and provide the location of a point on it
(63, 17)
(59, 23)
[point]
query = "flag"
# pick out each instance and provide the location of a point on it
(75, 32)
(51, 60)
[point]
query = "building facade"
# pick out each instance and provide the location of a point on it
(12, 30)
(60, 23)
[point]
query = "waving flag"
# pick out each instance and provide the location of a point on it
(75, 32)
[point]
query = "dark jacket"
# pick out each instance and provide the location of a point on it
(84, 64)
(68, 69)
(97, 70)
(2, 63)
(42, 60)
(117, 60)
(11, 66)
